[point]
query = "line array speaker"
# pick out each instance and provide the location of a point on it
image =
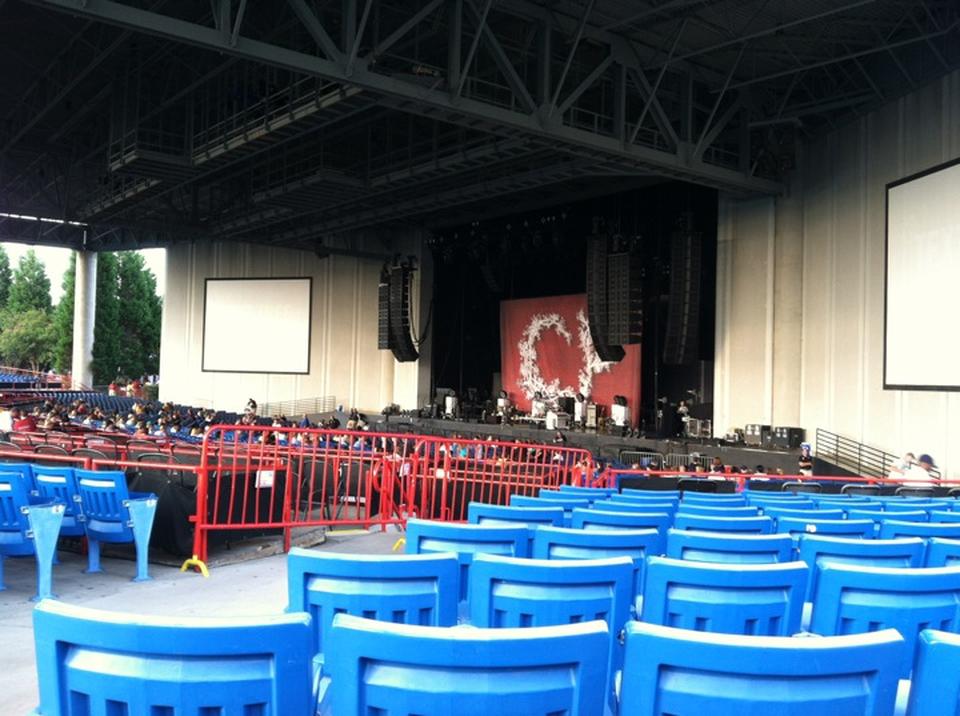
(598, 307)
(682, 342)
(625, 298)
(383, 311)
(395, 288)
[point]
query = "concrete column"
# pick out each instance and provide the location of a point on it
(84, 310)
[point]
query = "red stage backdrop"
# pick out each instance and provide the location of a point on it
(545, 346)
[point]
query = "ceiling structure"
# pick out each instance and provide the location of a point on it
(300, 122)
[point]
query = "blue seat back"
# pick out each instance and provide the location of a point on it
(24, 469)
(853, 599)
(613, 505)
(58, 484)
(819, 551)
(943, 516)
(819, 514)
(754, 525)
(712, 498)
(791, 502)
(465, 541)
(671, 502)
(797, 526)
(906, 506)
(879, 516)
(729, 548)
(14, 523)
(479, 513)
(757, 599)
(676, 671)
(383, 668)
(599, 492)
(935, 686)
(102, 495)
(566, 503)
(96, 662)
(601, 519)
(687, 508)
(942, 552)
(562, 543)
(662, 493)
(408, 589)
(891, 528)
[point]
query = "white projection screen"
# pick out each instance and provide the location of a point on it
(257, 325)
(922, 328)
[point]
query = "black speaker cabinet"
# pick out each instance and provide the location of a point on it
(788, 438)
(756, 435)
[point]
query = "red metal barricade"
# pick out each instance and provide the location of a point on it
(266, 478)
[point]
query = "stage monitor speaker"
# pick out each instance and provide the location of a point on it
(682, 343)
(565, 404)
(401, 342)
(598, 308)
(756, 435)
(788, 438)
(624, 298)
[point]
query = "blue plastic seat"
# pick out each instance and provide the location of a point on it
(563, 543)
(479, 513)
(796, 526)
(645, 500)
(853, 599)
(793, 502)
(819, 514)
(891, 528)
(942, 552)
(59, 484)
(687, 508)
(567, 504)
(28, 529)
(97, 662)
(677, 671)
(599, 492)
(712, 498)
(942, 516)
(426, 537)
(407, 589)
(507, 592)
(878, 515)
(25, 470)
(382, 668)
(113, 514)
(729, 548)
(651, 493)
(819, 551)
(935, 687)
(612, 505)
(910, 507)
(754, 525)
(601, 519)
(757, 599)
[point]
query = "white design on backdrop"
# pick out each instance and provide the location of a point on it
(531, 379)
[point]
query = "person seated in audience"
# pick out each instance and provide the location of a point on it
(23, 423)
(920, 473)
(902, 466)
(251, 407)
(716, 465)
(805, 460)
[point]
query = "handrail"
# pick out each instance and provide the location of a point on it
(301, 406)
(856, 456)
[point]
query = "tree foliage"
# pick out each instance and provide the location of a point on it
(30, 288)
(106, 326)
(6, 277)
(28, 338)
(140, 313)
(63, 320)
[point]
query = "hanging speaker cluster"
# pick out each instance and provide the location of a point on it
(614, 297)
(682, 342)
(393, 314)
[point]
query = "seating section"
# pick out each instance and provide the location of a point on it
(576, 601)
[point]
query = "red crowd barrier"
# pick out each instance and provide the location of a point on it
(253, 477)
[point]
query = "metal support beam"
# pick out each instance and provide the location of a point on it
(454, 44)
(517, 85)
(313, 26)
(394, 37)
(414, 97)
(482, 20)
(544, 63)
(698, 151)
(585, 84)
(355, 43)
(709, 137)
(620, 102)
(573, 51)
(651, 92)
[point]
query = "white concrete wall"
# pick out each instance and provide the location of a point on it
(344, 359)
(800, 287)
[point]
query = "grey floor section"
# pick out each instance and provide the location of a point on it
(254, 586)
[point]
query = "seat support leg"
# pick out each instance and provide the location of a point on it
(141, 515)
(93, 556)
(45, 524)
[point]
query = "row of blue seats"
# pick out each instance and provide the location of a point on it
(39, 504)
(98, 662)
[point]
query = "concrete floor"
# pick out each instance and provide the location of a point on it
(255, 586)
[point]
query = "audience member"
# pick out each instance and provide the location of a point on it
(805, 461)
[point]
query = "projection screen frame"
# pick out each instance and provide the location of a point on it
(203, 343)
(886, 262)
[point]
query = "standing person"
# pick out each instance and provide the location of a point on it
(805, 461)
(900, 468)
(920, 473)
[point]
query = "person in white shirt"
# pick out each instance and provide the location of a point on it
(900, 468)
(919, 474)
(6, 421)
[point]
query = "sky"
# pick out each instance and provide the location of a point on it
(58, 260)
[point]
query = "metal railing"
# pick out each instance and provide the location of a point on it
(304, 406)
(855, 456)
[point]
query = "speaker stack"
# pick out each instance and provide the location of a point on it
(394, 312)
(614, 298)
(682, 342)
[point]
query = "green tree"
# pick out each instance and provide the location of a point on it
(30, 288)
(63, 320)
(140, 314)
(106, 326)
(6, 277)
(27, 339)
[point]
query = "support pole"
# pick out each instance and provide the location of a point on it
(84, 311)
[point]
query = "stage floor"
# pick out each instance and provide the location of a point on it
(254, 586)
